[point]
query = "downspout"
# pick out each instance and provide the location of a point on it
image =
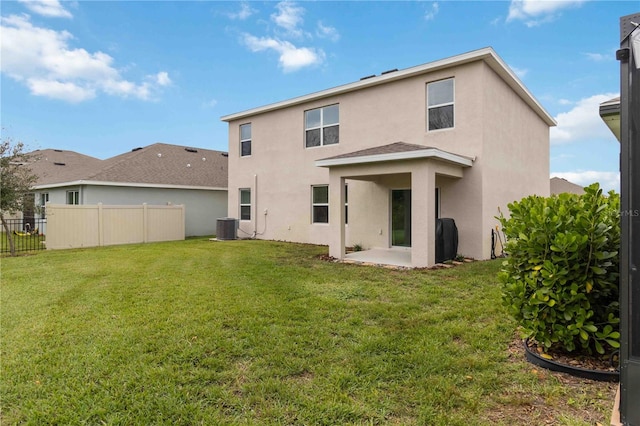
(255, 207)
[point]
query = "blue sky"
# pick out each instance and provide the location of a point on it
(103, 77)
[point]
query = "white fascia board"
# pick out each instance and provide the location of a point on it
(487, 54)
(126, 185)
(398, 156)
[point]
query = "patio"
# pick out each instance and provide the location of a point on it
(396, 256)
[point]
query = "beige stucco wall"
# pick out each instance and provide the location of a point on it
(492, 125)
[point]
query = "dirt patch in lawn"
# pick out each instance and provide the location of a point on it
(581, 401)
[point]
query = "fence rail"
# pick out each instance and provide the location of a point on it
(28, 234)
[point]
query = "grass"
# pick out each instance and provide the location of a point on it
(266, 333)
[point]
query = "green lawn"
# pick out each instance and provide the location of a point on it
(266, 333)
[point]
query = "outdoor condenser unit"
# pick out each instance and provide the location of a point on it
(446, 240)
(226, 228)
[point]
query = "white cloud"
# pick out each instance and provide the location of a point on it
(607, 180)
(210, 103)
(520, 72)
(67, 91)
(244, 12)
(537, 12)
(291, 57)
(597, 57)
(42, 59)
(325, 31)
(582, 121)
(162, 78)
(431, 13)
(48, 8)
(289, 17)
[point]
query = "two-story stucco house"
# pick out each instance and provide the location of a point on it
(377, 161)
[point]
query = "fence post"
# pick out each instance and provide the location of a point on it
(100, 226)
(145, 223)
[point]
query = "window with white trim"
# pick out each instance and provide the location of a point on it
(245, 204)
(320, 204)
(440, 104)
(44, 199)
(322, 126)
(245, 140)
(73, 197)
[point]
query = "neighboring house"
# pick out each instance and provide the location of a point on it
(158, 174)
(375, 162)
(560, 185)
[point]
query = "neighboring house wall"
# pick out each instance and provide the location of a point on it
(508, 141)
(202, 207)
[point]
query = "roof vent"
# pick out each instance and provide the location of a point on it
(136, 149)
(191, 150)
(224, 154)
(57, 150)
(389, 71)
(59, 164)
(367, 76)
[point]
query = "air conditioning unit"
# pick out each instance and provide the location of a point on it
(446, 240)
(226, 228)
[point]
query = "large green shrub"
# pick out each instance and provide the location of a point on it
(560, 279)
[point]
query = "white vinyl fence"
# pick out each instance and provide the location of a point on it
(72, 226)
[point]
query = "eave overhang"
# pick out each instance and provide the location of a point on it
(610, 114)
(124, 185)
(427, 153)
(487, 54)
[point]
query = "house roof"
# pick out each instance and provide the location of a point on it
(394, 152)
(157, 165)
(56, 165)
(487, 54)
(560, 185)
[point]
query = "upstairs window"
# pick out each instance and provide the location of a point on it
(320, 203)
(322, 126)
(440, 104)
(245, 140)
(245, 204)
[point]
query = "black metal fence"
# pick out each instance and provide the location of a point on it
(28, 234)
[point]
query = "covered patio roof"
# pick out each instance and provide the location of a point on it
(394, 152)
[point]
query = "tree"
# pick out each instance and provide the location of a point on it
(16, 180)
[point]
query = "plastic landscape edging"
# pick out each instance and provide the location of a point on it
(599, 375)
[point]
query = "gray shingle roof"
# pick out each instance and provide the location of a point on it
(157, 164)
(57, 166)
(560, 185)
(393, 148)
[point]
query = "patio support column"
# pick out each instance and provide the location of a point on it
(336, 215)
(423, 217)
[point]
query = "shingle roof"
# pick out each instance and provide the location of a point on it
(560, 185)
(167, 164)
(394, 152)
(157, 164)
(56, 166)
(393, 148)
